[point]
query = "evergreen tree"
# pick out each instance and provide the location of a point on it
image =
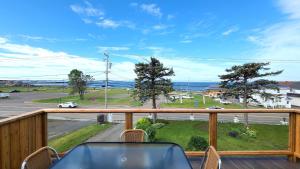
(245, 80)
(151, 81)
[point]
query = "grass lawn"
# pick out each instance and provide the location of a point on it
(115, 97)
(269, 137)
(190, 103)
(74, 138)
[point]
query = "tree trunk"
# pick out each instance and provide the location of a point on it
(245, 104)
(81, 95)
(154, 107)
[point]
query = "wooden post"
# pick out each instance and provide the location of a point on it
(128, 120)
(45, 129)
(297, 137)
(292, 133)
(213, 122)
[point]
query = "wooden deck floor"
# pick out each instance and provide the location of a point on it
(252, 163)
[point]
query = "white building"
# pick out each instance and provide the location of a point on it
(295, 99)
(282, 98)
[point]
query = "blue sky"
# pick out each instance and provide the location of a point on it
(199, 38)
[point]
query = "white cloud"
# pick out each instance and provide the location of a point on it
(87, 10)
(160, 27)
(87, 21)
(169, 16)
(108, 23)
(152, 9)
(112, 48)
(253, 39)
(186, 41)
(230, 31)
(290, 7)
(191, 69)
(3, 40)
(28, 62)
(92, 15)
(280, 43)
(189, 37)
(37, 38)
(186, 69)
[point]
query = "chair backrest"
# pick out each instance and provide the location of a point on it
(40, 159)
(133, 135)
(212, 159)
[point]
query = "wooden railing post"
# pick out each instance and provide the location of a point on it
(128, 120)
(292, 127)
(297, 137)
(213, 122)
(45, 129)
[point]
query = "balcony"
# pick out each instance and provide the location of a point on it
(21, 135)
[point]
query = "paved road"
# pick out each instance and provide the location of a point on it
(21, 102)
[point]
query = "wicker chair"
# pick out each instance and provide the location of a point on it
(40, 159)
(211, 159)
(133, 135)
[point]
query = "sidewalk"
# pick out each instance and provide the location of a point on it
(110, 135)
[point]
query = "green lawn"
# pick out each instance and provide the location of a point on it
(190, 103)
(115, 97)
(269, 137)
(74, 138)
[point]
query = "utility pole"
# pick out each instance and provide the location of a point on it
(108, 65)
(106, 74)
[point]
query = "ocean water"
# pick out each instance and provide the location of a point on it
(179, 86)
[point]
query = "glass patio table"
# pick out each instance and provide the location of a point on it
(122, 155)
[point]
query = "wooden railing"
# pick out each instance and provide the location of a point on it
(21, 135)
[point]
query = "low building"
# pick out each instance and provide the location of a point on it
(213, 93)
(295, 99)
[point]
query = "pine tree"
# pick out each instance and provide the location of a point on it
(151, 81)
(245, 80)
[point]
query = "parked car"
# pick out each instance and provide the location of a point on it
(225, 102)
(67, 105)
(4, 95)
(215, 107)
(14, 91)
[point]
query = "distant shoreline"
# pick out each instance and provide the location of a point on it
(179, 86)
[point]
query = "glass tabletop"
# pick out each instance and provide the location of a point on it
(106, 155)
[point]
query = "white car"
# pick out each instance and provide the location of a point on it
(225, 102)
(67, 105)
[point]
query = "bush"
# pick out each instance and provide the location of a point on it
(146, 125)
(243, 132)
(250, 133)
(158, 125)
(143, 123)
(233, 134)
(197, 143)
(151, 132)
